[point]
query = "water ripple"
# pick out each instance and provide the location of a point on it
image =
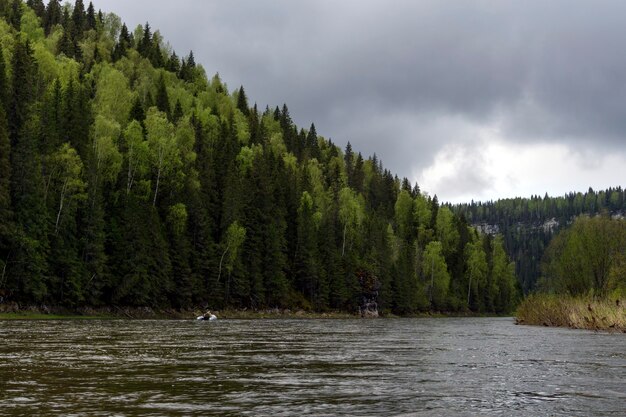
(401, 367)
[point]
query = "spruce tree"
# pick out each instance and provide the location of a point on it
(6, 213)
(122, 45)
(52, 16)
(28, 267)
(51, 118)
(242, 102)
(14, 17)
(305, 263)
(4, 87)
(79, 19)
(311, 143)
(173, 63)
(162, 98)
(178, 112)
(38, 7)
(23, 84)
(137, 111)
(90, 19)
(145, 43)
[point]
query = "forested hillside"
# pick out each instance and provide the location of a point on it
(129, 178)
(528, 224)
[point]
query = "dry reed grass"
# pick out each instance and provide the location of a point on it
(577, 313)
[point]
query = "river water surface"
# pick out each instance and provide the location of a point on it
(386, 367)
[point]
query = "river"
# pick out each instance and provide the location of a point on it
(382, 367)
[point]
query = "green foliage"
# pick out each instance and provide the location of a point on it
(589, 258)
(351, 213)
(163, 150)
(477, 275)
(436, 274)
(113, 97)
(235, 236)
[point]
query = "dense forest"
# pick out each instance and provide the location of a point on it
(529, 224)
(129, 178)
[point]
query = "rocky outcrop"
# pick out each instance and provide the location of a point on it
(370, 285)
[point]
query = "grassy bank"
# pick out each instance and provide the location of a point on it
(142, 313)
(576, 313)
(42, 316)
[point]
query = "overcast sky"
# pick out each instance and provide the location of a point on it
(471, 99)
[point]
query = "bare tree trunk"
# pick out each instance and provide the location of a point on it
(129, 181)
(469, 287)
(4, 270)
(219, 274)
(45, 193)
(156, 190)
(432, 280)
(56, 226)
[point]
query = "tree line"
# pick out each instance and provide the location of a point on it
(128, 177)
(529, 224)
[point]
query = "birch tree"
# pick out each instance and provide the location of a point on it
(351, 213)
(65, 178)
(136, 153)
(163, 152)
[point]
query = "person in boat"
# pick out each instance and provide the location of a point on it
(208, 316)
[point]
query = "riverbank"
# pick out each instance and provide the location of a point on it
(15, 312)
(575, 313)
(12, 311)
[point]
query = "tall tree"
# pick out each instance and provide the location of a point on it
(162, 98)
(52, 16)
(436, 273)
(38, 7)
(242, 102)
(164, 155)
(14, 15)
(306, 269)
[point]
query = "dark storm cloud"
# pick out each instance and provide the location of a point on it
(405, 78)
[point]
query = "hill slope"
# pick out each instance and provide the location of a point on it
(127, 177)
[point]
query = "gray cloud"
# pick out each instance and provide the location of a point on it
(405, 78)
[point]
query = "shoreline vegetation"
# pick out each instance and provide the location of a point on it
(573, 312)
(14, 312)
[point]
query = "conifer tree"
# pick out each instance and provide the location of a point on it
(52, 16)
(14, 17)
(145, 43)
(38, 7)
(6, 213)
(137, 111)
(52, 118)
(178, 112)
(173, 63)
(4, 86)
(242, 102)
(122, 45)
(162, 98)
(27, 271)
(306, 268)
(79, 19)
(90, 19)
(23, 83)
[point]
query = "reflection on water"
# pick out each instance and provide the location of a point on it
(415, 367)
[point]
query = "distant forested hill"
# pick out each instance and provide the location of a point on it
(127, 177)
(528, 224)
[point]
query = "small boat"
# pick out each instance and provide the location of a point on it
(208, 316)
